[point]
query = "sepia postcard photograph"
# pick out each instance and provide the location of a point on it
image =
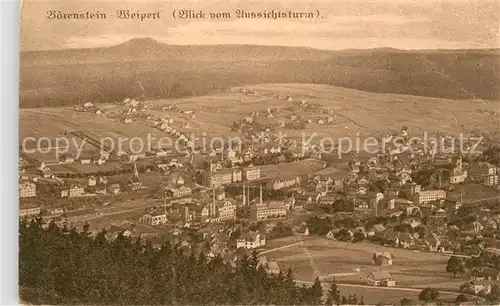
(264, 152)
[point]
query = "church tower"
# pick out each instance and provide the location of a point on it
(135, 176)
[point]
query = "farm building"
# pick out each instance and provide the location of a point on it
(381, 279)
(330, 235)
(273, 267)
(382, 258)
(115, 189)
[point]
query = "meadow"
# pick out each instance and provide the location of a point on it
(335, 257)
(350, 263)
(358, 115)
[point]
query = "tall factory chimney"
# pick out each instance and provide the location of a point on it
(260, 193)
(212, 207)
(244, 196)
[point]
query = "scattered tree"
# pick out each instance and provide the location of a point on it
(428, 295)
(333, 297)
(357, 237)
(461, 298)
(316, 292)
(455, 265)
(494, 295)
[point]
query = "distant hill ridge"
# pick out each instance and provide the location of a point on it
(138, 48)
(62, 77)
(148, 48)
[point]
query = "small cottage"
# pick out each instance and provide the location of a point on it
(381, 279)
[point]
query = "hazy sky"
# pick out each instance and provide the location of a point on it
(398, 24)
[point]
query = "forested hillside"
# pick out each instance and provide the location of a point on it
(145, 68)
(59, 265)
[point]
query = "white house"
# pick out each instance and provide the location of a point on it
(251, 241)
(380, 279)
(154, 218)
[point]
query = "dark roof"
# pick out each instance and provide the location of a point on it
(380, 275)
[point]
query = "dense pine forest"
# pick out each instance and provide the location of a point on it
(153, 70)
(60, 265)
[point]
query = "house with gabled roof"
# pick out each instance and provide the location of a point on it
(380, 279)
(489, 223)
(251, 240)
(478, 286)
(226, 209)
(182, 191)
(114, 189)
(382, 258)
(330, 235)
(375, 229)
(488, 274)
(301, 230)
(273, 267)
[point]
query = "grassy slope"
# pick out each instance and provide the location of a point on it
(360, 111)
(329, 258)
(368, 114)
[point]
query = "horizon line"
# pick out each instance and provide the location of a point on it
(260, 45)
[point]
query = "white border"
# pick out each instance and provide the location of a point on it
(9, 144)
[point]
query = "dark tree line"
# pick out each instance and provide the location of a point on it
(60, 265)
(491, 155)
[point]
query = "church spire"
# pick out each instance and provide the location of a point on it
(135, 176)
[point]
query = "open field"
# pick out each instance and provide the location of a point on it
(472, 192)
(388, 296)
(115, 214)
(356, 112)
(333, 259)
(297, 168)
(54, 123)
(89, 168)
(350, 263)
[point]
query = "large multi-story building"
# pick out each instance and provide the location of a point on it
(76, 191)
(429, 195)
(72, 191)
(278, 184)
(27, 189)
(29, 211)
(252, 174)
(457, 176)
(193, 212)
(226, 210)
(182, 191)
(490, 180)
(268, 211)
(219, 178)
(154, 218)
(222, 177)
